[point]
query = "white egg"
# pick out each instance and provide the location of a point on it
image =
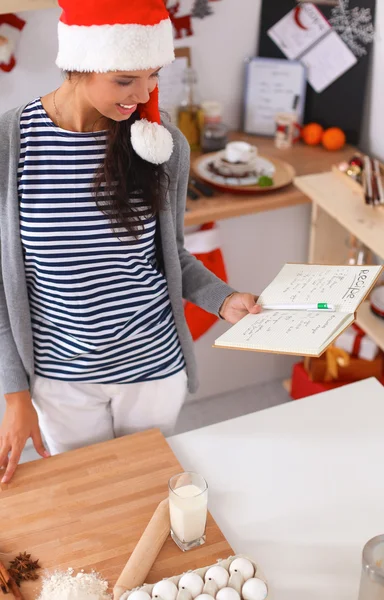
(219, 575)
(193, 583)
(147, 588)
(211, 588)
(184, 594)
(243, 566)
(227, 593)
(139, 595)
(236, 581)
(254, 589)
(204, 597)
(165, 589)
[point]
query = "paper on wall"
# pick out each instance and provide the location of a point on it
(328, 61)
(305, 34)
(295, 33)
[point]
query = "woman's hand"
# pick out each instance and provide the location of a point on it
(20, 423)
(236, 306)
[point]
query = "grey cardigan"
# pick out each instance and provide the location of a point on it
(186, 277)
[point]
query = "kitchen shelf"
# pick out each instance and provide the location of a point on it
(304, 159)
(347, 207)
(340, 218)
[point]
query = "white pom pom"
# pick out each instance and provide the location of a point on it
(151, 141)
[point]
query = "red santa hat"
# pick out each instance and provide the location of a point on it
(111, 35)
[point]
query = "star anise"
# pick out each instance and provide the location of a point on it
(31, 576)
(23, 560)
(16, 575)
(23, 568)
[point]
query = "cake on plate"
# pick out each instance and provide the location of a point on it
(241, 160)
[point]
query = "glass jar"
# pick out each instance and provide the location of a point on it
(372, 577)
(215, 133)
(190, 114)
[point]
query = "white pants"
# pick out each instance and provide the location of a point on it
(72, 415)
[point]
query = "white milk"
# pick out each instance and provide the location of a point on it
(188, 510)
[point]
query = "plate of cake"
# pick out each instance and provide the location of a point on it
(240, 168)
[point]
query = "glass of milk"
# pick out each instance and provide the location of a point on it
(188, 505)
(372, 579)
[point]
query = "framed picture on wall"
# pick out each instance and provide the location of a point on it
(272, 86)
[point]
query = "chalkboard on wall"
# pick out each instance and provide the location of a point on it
(341, 104)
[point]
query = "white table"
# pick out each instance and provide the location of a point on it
(299, 487)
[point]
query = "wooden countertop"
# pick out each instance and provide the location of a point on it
(87, 509)
(305, 159)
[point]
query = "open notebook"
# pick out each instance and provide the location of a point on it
(303, 333)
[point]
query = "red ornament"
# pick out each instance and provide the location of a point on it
(357, 161)
(182, 25)
(8, 22)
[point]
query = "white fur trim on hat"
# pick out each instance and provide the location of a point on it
(151, 141)
(102, 48)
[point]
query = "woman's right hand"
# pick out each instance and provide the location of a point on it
(20, 422)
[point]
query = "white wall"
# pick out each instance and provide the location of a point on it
(219, 48)
(36, 73)
(256, 246)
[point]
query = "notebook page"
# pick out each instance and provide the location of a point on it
(343, 286)
(284, 331)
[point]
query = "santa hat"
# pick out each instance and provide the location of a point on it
(115, 35)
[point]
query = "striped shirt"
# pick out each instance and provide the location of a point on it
(99, 304)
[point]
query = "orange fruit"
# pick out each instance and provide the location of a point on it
(334, 139)
(312, 134)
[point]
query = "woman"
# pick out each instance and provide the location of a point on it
(92, 199)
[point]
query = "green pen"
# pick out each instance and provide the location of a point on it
(319, 307)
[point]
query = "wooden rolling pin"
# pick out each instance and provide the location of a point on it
(145, 553)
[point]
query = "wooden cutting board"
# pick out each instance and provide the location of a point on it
(87, 509)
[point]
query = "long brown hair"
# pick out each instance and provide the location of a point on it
(124, 176)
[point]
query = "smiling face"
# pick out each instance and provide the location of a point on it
(115, 95)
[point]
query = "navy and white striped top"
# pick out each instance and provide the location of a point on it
(99, 305)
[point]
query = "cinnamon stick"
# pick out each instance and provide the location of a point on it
(15, 589)
(10, 583)
(4, 579)
(3, 586)
(4, 573)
